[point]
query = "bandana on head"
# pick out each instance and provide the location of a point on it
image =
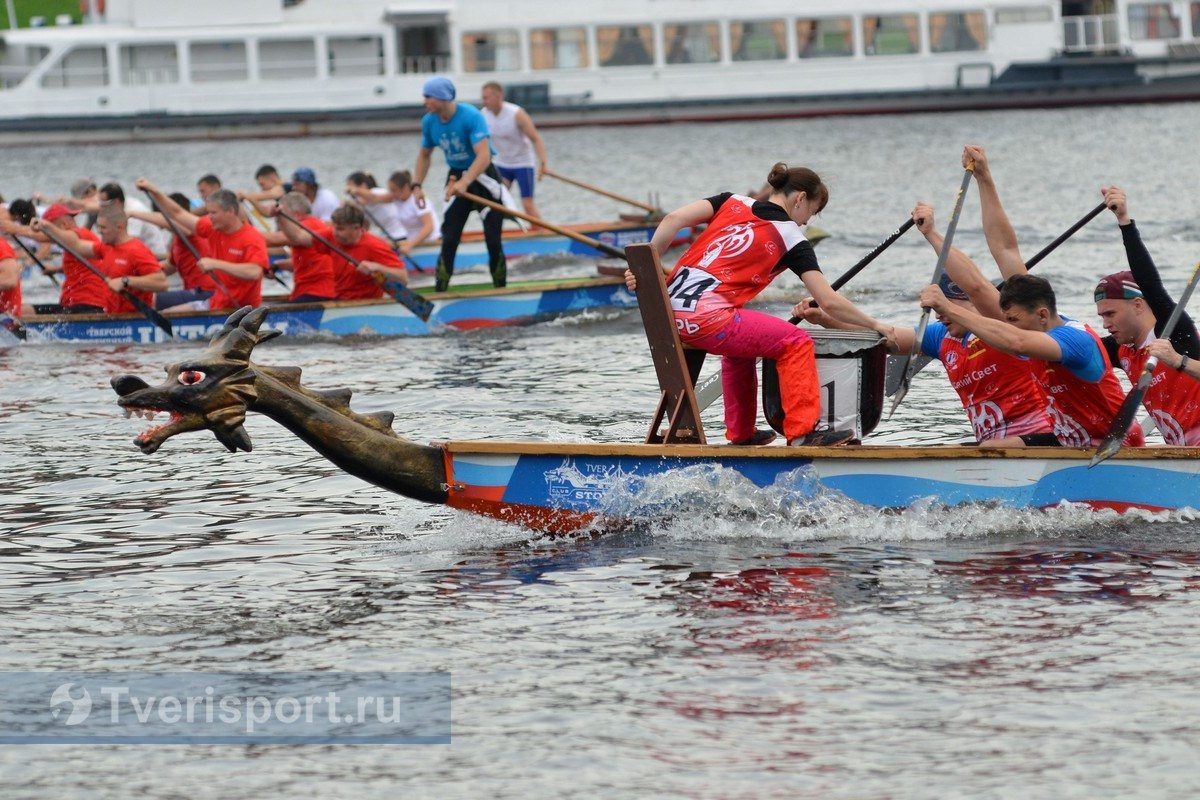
(438, 88)
(951, 289)
(1117, 286)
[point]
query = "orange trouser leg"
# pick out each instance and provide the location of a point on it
(750, 335)
(799, 388)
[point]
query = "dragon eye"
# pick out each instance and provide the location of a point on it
(191, 376)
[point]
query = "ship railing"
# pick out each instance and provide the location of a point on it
(1091, 34)
(428, 64)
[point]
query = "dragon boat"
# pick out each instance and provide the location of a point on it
(463, 307)
(472, 251)
(566, 487)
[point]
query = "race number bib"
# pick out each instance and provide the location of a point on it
(688, 286)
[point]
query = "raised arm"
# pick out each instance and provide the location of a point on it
(1001, 238)
(961, 269)
(185, 219)
(1145, 275)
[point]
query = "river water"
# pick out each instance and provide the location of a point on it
(739, 646)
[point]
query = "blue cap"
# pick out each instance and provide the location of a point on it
(439, 88)
(305, 175)
(951, 289)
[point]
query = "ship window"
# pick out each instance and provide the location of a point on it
(820, 38)
(491, 51)
(356, 55)
(144, 64)
(760, 40)
(80, 67)
(892, 35)
(17, 61)
(1196, 20)
(214, 62)
(697, 43)
(624, 45)
(1152, 21)
(1005, 16)
(558, 48)
(287, 59)
(951, 33)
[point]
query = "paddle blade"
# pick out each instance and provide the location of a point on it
(411, 300)
(904, 368)
(1120, 426)
(155, 317)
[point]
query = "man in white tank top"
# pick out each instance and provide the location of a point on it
(516, 141)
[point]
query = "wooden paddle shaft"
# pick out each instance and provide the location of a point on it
(608, 250)
(612, 195)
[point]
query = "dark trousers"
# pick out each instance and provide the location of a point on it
(454, 219)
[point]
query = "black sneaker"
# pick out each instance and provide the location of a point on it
(757, 439)
(825, 438)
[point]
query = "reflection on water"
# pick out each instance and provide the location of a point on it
(730, 638)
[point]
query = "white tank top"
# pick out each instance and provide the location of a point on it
(513, 148)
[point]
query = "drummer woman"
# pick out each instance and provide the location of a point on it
(746, 245)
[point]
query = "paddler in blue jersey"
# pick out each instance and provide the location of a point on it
(462, 134)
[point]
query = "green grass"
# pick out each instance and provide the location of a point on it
(39, 8)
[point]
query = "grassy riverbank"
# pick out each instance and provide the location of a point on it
(48, 9)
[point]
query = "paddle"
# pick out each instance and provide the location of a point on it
(11, 326)
(649, 209)
(1112, 442)
(909, 369)
(36, 260)
(146, 311)
(608, 250)
(402, 294)
(709, 389)
(395, 242)
(920, 361)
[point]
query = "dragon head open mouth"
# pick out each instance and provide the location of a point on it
(213, 391)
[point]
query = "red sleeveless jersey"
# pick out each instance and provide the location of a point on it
(10, 299)
(998, 390)
(1082, 411)
(81, 286)
(735, 258)
(1172, 398)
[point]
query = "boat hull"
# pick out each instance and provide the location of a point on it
(562, 488)
(455, 310)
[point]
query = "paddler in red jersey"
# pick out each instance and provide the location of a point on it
(1066, 356)
(1134, 307)
(236, 251)
(10, 282)
(746, 245)
(1005, 403)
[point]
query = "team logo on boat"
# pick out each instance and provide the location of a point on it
(581, 488)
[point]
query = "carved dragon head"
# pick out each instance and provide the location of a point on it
(213, 390)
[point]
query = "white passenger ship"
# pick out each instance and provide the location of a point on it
(149, 68)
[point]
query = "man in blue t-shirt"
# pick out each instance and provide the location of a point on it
(462, 134)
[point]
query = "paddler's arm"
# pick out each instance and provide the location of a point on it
(839, 307)
(961, 269)
(69, 238)
(1001, 238)
(244, 271)
(1000, 335)
(483, 158)
(185, 219)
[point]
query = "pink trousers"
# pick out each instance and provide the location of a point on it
(751, 335)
